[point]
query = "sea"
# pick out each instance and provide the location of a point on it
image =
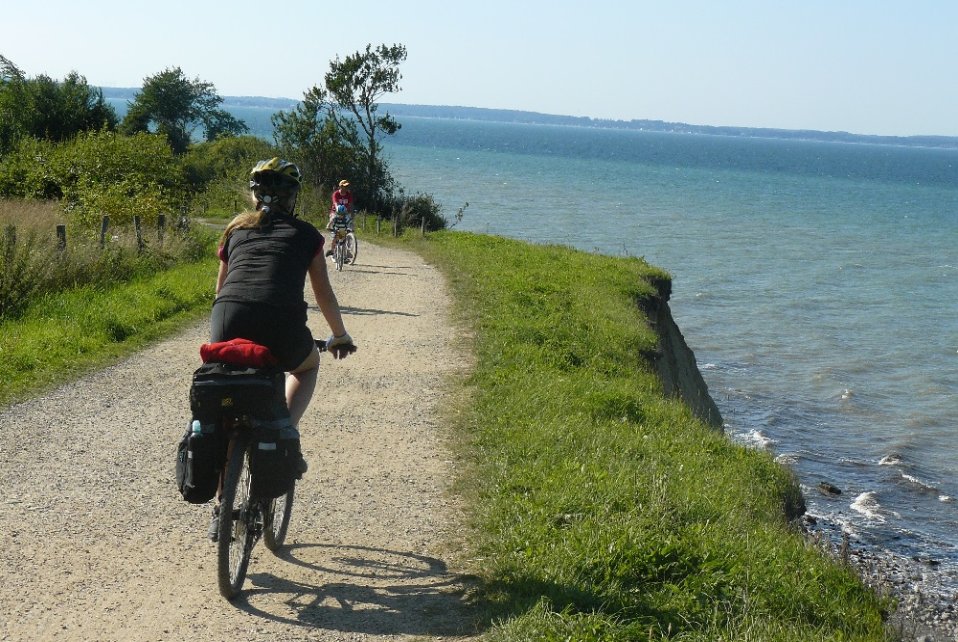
(816, 283)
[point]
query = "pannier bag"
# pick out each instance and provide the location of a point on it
(219, 389)
(199, 458)
(275, 458)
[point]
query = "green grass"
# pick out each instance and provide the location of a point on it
(602, 510)
(67, 333)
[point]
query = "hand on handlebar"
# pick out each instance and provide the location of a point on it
(340, 347)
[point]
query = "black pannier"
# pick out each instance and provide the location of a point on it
(275, 458)
(220, 389)
(199, 458)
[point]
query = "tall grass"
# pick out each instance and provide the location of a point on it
(33, 264)
(603, 510)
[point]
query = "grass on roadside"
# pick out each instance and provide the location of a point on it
(604, 511)
(64, 334)
(33, 264)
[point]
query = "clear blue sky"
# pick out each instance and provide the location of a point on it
(863, 66)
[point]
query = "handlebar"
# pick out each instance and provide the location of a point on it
(321, 345)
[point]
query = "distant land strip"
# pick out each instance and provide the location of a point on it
(114, 94)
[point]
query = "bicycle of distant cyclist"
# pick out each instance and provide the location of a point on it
(345, 248)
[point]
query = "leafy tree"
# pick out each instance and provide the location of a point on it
(62, 109)
(172, 105)
(355, 84)
(47, 109)
(336, 130)
(311, 136)
(11, 103)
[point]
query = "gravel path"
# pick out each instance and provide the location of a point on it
(95, 543)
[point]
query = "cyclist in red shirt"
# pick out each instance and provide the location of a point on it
(341, 197)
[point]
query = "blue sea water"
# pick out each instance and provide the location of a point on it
(817, 284)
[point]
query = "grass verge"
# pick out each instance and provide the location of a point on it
(64, 334)
(603, 510)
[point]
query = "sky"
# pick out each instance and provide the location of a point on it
(862, 66)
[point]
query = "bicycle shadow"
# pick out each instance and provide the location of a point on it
(388, 270)
(366, 590)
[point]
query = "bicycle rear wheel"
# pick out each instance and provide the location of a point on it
(237, 527)
(352, 248)
(276, 519)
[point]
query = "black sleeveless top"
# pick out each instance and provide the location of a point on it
(269, 265)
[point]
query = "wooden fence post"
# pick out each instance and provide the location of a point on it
(61, 237)
(422, 227)
(104, 225)
(160, 228)
(9, 242)
(139, 233)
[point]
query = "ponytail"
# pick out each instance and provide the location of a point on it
(257, 219)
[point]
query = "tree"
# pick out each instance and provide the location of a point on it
(172, 105)
(324, 150)
(355, 86)
(48, 109)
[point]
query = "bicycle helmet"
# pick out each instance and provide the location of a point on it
(275, 170)
(275, 184)
(340, 209)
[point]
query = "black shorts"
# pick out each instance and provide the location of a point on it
(283, 331)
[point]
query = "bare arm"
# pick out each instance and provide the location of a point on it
(220, 277)
(325, 297)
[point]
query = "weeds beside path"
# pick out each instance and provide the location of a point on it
(95, 543)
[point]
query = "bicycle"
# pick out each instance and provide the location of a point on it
(345, 245)
(247, 509)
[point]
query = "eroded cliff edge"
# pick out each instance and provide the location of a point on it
(675, 361)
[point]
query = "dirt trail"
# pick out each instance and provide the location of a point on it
(95, 543)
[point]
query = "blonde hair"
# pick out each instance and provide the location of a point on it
(245, 221)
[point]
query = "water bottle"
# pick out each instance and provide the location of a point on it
(197, 428)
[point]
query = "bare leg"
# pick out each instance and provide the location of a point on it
(300, 385)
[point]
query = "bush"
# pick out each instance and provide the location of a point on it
(101, 173)
(28, 172)
(411, 211)
(96, 174)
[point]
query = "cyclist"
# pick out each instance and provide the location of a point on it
(339, 223)
(265, 256)
(342, 196)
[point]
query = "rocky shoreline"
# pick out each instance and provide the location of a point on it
(927, 608)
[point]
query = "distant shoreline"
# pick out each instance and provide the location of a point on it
(529, 117)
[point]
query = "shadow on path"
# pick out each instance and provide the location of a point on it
(345, 309)
(365, 590)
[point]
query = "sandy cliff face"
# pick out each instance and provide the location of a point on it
(675, 361)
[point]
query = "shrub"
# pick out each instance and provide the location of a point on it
(28, 171)
(101, 173)
(412, 211)
(217, 172)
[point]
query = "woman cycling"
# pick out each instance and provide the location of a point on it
(265, 256)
